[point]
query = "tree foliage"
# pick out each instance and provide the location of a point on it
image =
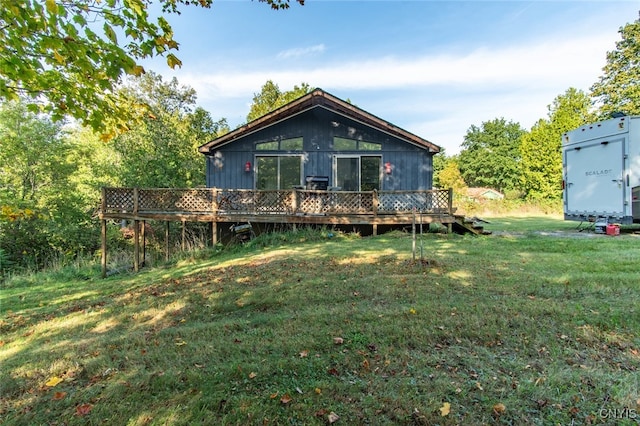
(491, 156)
(67, 57)
(618, 89)
(45, 199)
(450, 177)
(161, 151)
(541, 148)
(271, 98)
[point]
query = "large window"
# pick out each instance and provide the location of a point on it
(344, 144)
(292, 144)
(278, 171)
(357, 173)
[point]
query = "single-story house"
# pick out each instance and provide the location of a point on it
(319, 141)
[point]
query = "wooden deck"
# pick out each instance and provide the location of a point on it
(285, 206)
(296, 206)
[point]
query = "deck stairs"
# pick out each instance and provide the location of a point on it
(469, 225)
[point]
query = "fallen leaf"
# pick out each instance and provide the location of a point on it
(54, 381)
(321, 412)
(181, 343)
(59, 395)
(333, 372)
(333, 417)
(412, 311)
(365, 364)
(445, 409)
(83, 410)
(338, 340)
(286, 399)
(252, 375)
(318, 391)
(499, 408)
(304, 354)
(274, 395)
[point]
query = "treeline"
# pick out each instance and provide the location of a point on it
(51, 172)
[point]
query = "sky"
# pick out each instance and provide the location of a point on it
(433, 68)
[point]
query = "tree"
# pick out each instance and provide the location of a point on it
(271, 98)
(49, 184)
(68, 56)
(541, 148)
(450, 177)
(161, 150)
(618, 90)
(491, 156)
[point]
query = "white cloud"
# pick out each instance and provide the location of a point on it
(301, 51)
(446, 92)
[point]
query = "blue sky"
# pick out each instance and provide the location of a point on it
(433, 68)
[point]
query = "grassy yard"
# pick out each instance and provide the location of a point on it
(536, 324)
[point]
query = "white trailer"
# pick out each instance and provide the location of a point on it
(601, 171)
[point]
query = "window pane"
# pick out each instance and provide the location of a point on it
(294, 144)
(289, 172)
(370, 173)
(342, 144)
(369, 146)
(267, 173)
(347, 174)
(267, 146)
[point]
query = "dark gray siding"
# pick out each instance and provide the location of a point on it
(411, 164)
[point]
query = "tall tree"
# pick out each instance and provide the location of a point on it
(271, 98)
(439, 162)
(541, 148)
(491, 155)
(450, 177)
(48, 187)
(618, 89)
(73, 53)
(161, 151)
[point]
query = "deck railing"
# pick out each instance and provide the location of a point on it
(281, 202)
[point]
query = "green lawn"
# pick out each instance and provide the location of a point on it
(536, 324)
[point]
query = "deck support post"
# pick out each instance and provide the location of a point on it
(103, 248)
(375, 229)
(214, 233)
(413, 236)
(144, 243)
(136, 245)
(166, 241)
(184, 234)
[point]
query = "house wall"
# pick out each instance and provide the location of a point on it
(412, 166)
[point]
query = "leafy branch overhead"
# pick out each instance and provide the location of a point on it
(67, 57)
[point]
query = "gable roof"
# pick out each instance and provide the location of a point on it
(318, 98)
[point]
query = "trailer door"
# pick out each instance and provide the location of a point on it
(594, 178)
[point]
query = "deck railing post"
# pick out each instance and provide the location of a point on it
(103, 202)
(214, 201)
(294, 201)
(135, 201)
(450, 201)
(375, 203)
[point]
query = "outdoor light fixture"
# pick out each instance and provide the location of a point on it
(247, 166)
(387, 168)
